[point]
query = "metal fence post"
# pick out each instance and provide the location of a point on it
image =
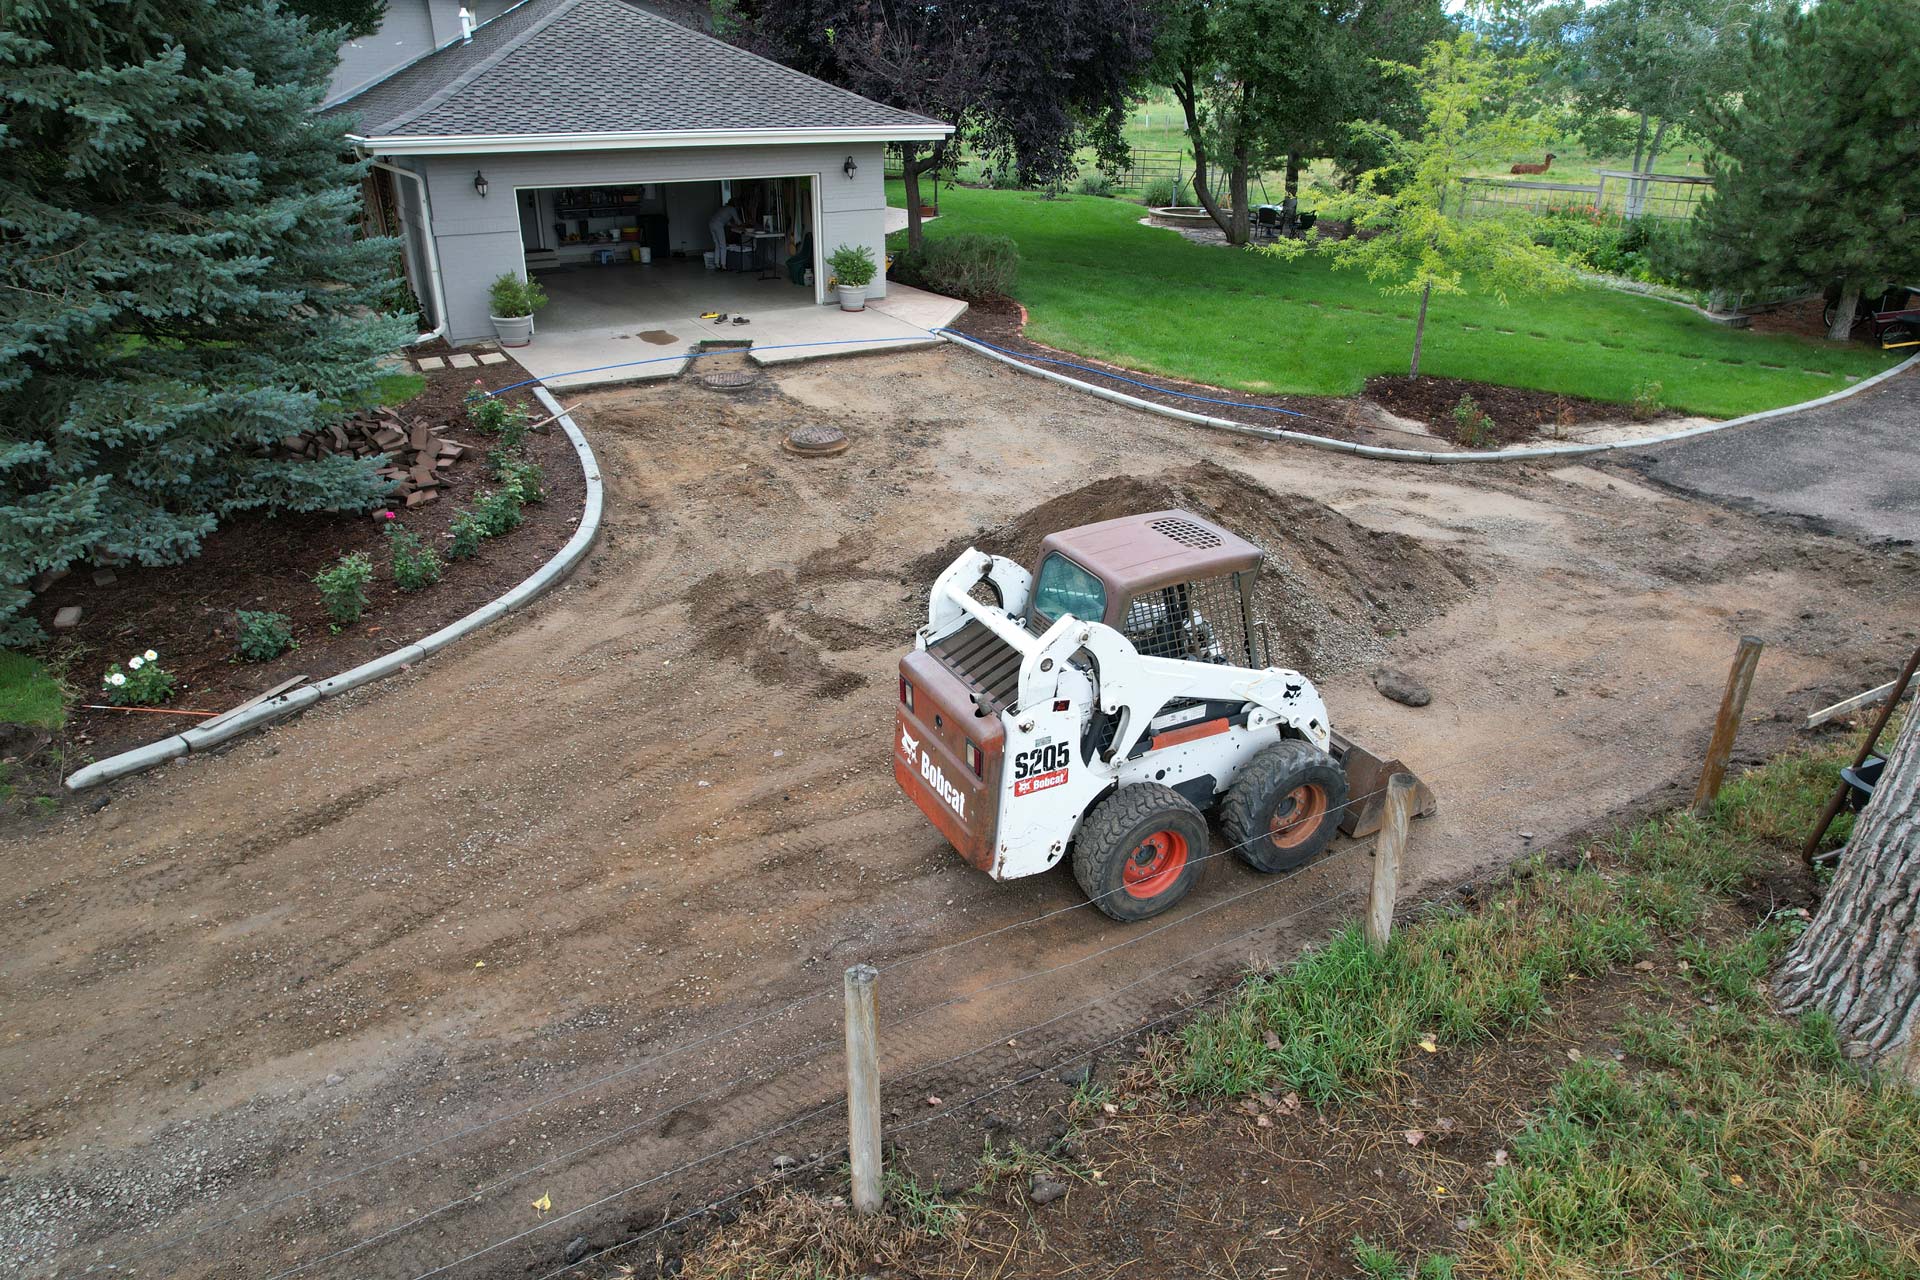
(863, 1087)
(1387, 848)
(1733, 703)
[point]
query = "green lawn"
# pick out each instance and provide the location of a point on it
(29, 695)
(1096, 282)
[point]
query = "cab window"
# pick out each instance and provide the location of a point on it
(1064, 587)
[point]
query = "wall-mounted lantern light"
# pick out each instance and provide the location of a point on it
(850, 168)
(480, 183)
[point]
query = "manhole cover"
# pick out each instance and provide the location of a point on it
(815, 442)
(728, 379)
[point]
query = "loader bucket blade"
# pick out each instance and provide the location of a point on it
(1367, 776)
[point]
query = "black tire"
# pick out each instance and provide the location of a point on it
(1139, 851)
(1283, 809)
(1899, 333)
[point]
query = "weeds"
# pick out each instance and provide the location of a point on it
(1381, 1263)
(1646, 401)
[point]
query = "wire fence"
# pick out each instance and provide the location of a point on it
(1668, 196)
(771, 1068)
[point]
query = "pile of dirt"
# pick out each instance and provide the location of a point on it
(1332, 592)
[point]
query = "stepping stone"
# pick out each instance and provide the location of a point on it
(66, 619)
(105, 577)
(431, 362)
(493, 357)
(462, 361)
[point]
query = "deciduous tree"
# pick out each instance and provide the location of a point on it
(1024, 82)
(1817, 179)
(1403, 234)
(180, 284)
(1859, 960)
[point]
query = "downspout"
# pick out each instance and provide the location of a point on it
(433, 253)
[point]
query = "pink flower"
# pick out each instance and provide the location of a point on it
(388, 515)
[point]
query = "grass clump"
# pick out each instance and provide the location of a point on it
(1343, 1015)
(30, 694)
(1749, 1149)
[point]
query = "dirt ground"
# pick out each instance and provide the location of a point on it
(508, 957)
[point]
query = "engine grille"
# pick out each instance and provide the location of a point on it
(986, 664)
(1192, 621)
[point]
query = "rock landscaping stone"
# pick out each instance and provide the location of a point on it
(1077, 1075)
(105, 577)
(462, 361)
(578, 1248)
(493, 357)
(429, 363)
(1044, 1190)
(66, 619)
(1401, 687)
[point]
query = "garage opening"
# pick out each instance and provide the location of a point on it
(656, 257)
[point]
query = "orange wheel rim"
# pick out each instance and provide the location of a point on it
(1297, 816)
(1154, 865)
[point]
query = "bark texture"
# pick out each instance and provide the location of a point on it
(1843, 312)
(1860, 958)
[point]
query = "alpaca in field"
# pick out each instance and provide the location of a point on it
(1533, 168)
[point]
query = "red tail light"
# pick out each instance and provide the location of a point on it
(906, 693)
(973, 759)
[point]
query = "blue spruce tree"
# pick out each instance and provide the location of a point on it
(181, 282)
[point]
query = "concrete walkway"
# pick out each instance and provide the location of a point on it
(645, 321)
(1852, 466)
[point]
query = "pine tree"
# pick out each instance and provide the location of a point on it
(180, 281)
(1817, 179)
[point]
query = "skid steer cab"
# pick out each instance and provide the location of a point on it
(1100, 704)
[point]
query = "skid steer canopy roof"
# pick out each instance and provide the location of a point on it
(1135, 554)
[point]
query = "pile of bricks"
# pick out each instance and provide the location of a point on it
(417, 456)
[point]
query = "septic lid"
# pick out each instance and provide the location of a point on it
(815, 441)
(728, 379)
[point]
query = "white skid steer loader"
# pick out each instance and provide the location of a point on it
(1100, 705)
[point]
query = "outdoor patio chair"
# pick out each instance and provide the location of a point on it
(1266, 221)
(800, 260)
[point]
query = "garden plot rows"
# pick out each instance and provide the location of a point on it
(657, 806)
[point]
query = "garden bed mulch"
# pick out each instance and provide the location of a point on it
(1519, 415)
(186, 612)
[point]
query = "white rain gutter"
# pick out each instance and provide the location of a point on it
(433, 253)
(480, 144)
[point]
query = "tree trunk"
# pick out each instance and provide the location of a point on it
(1189, 98)
(1239, 227)
(1290, 207)
(1639, 143)
(1843, 312)
(1637, 190)
(1860, 958)
(1420, 330)
(910, 178)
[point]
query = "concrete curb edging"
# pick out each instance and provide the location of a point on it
(562, 563)
(1415, 455)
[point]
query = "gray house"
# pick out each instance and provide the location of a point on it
(559, 135)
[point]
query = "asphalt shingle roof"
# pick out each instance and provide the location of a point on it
(602, 66)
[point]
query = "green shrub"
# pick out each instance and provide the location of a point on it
(852, 265)
(1472, 427)
(968, 266)
(497, 512)
(1163, 192)
(1094, 183)
(497, 417)
(263, 636)
(509, 295)
(1651, 250)
(141, 683)
(415, 564)
(343, 587)
(467, 536)
(522, 476)
(1646, 400)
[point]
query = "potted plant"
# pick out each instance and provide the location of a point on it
(513, 303)
(853, 271)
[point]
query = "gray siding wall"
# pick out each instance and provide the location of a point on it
(412, 29)
(479, 237)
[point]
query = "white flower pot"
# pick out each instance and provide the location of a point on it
(513, 331)
(853, 297)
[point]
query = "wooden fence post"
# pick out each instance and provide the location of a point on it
(1387, 847)
(1733, 704)
(863, 1087)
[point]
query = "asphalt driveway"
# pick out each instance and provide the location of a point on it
(1852, 467)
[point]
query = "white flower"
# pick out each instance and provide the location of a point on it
(151, 656)
(116, 679)
(136, 663)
